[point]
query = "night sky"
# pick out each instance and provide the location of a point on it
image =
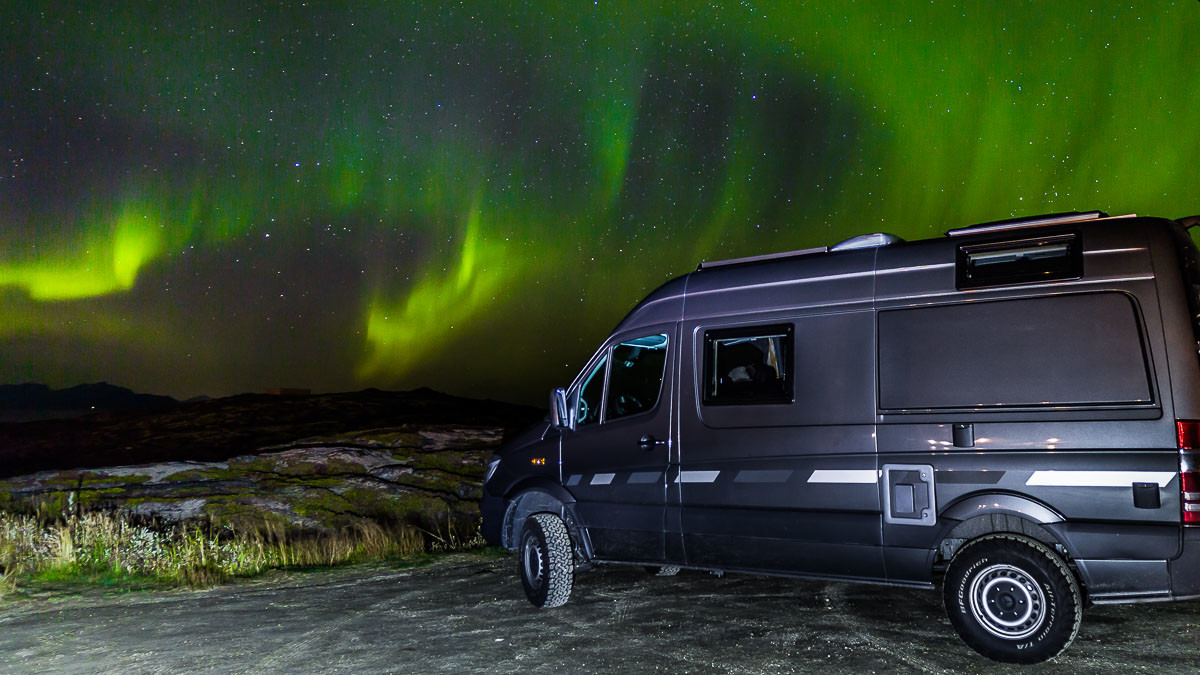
(223, 197)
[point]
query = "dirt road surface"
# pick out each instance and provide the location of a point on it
(466, 613)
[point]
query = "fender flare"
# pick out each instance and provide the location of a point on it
(987, 504)
(985, 513)
(538, 495)
(540, 484)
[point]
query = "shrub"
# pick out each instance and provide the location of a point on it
(103, 545)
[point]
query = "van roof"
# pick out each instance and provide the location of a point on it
(852, 260)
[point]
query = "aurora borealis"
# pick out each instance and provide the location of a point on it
(225, 197)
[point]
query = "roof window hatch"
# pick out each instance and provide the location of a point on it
(1019, 262)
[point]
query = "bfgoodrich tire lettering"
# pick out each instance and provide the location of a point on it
(1012, 599)
(545, 560)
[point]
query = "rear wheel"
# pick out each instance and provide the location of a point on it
(1012, 599)
(546, 561)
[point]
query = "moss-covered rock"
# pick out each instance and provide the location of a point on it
(426, 477)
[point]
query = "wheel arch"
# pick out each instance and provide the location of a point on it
(537, 496)
(982, 514)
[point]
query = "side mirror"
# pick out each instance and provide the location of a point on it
(558, 409)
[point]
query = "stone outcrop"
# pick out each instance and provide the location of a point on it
(424, 476)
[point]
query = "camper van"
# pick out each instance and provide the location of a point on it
(1011, 410)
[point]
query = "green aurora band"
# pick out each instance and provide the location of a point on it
(504, 185)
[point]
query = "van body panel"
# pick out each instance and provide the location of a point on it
(663, 305)
(1185, 582)
(1171, 249)
(1124, 541)
(792, 485)
(832, 387)
(1125, 579)
(830, 281)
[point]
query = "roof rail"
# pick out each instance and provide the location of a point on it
(707, 264)
(1030, 221)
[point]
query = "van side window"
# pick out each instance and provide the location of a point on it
(636, 377)
(590, 395)
(1017, 262)
(750, 365)
(1057, 351)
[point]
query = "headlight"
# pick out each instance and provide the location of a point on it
(491, 469)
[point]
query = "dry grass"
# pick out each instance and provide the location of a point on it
(105, 547)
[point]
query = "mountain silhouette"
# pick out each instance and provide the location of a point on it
(32, 401)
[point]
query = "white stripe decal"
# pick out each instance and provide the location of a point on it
(602, 478)
(642, 477)
(574, 479)
(1099, 478)
(697, 476)
(860, 476)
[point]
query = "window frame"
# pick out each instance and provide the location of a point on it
(711, 335)
(964, 280)
(661, 378)
(605, 354)
(606, 357)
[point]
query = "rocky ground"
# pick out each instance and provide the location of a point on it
(426, 476)
(466, 613)
(301, 464)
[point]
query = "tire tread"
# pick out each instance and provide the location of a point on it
(560, 576)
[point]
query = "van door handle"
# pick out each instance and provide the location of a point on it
(648, 442)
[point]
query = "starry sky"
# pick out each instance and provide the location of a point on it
(224, 197)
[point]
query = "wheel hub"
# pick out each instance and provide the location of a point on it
(531, 559)
(1007, 602)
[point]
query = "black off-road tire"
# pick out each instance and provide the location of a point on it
(1012, 599)
(545, 560)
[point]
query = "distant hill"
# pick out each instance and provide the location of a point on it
(29, 402)
(218, 429)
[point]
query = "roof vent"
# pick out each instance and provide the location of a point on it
(867, 241)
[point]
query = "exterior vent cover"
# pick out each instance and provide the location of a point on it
(867, 241)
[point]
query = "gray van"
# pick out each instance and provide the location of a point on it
(1012, 409)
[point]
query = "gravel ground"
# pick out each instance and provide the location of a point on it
(466, 613)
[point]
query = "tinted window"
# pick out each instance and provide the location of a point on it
(1024, 261)
(1075, 350)
(748, 365)
(636, 376)
(590, 395)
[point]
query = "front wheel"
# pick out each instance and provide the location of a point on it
(546, 564)
(1012, 599)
